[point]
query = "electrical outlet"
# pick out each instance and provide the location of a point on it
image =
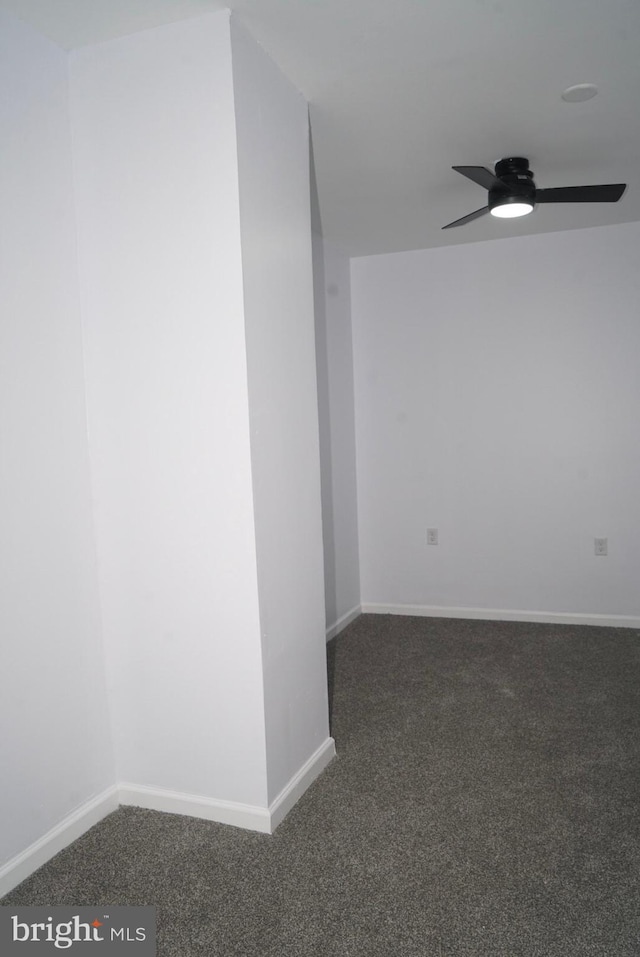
(600, 546)
(432, 536)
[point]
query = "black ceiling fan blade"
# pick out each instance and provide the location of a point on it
(479, 175)
(467, 219)
(609, 193)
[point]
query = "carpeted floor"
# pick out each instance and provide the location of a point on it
(485, 801)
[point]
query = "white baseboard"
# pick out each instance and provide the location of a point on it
(253, 818)
(248, 816)
(505, 614)
(343, 621)
(68, 830)
(299, 783)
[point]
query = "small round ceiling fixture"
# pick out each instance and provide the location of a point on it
(579, 93)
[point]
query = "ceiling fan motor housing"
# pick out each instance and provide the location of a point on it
(516, 183)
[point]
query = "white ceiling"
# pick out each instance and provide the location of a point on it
(401, 90)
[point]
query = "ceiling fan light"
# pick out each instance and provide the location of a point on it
(512, 210)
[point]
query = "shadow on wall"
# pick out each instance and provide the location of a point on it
(331, 677)
(324, 419)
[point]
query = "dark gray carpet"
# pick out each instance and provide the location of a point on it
(485, 801)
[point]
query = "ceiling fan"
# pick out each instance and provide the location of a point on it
(512, 191)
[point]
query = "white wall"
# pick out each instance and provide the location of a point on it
(56, 752)
(497, 399)
(337, 433)
(273, 163)
(157, 186)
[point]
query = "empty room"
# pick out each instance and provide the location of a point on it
(319, 472)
